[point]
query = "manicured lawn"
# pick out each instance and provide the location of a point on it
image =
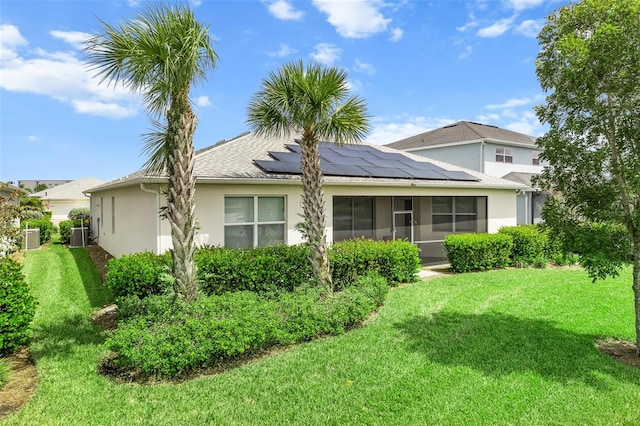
(505, 347)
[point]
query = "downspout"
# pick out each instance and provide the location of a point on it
(482, 156)
(158, 236)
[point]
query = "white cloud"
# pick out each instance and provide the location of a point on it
(133, 3)
(61, 76)
(466, 52)
(530, 27)
(528, 124)
(387, 130)
(10, 40)
(354, 19)
(326, 53)
(354, 85)
(203, 101)
(497, 29)
(75, 38)
(468, 25)
(33, 138)
(283, 51)
(523, 4)
(364, 67)
(282, 9)
(510, 103)
(396, 34)
(102, 109)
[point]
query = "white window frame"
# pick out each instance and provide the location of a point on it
(255, 223)
(504, 154)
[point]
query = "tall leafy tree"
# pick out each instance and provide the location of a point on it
(589, 66)
(162, 53)
(311, 101)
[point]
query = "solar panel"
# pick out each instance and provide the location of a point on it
(361, 161)
(285, 156)
(279, 166)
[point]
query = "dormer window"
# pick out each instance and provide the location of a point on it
(504, 155)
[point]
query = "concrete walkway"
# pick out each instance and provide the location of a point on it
(433, 271)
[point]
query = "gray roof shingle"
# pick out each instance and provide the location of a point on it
(233, 160)
(462, 131)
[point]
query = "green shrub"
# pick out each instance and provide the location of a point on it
(138, 274)
(268, 270)
(4, 373)
(469, 252)
(45, 226)
(264, 270)
(162, 337)
(17, 307)
(529, 244)
(65, 230)
(397, 261)
(81, 215)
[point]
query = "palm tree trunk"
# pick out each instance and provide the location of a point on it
(181, 125)
(314, 211)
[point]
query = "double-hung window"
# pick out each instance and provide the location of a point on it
(504, 155)
(254, 221)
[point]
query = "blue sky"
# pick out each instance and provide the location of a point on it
(419, 65)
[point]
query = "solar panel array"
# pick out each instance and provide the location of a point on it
(360, 161)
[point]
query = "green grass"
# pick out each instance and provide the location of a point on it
(502, 347)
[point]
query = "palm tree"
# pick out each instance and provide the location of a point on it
(161, 53)
(311, 102)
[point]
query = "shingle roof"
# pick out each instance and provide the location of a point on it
(69, 191)
(233, 160)
(520, 177)
(462, 131)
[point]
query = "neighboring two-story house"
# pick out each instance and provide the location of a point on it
(488, 149)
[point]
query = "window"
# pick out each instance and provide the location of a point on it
(454, 214)
(536, 158)
(253, 221)
(504, 155)
(352, 217)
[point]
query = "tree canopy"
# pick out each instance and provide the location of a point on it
(589, 68)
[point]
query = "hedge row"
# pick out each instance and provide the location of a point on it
(17, 307)
(161, 337)
(265, 270)
(530, 245)
(469, 252)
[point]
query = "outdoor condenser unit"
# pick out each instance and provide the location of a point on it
(31, 239)
(79, 237)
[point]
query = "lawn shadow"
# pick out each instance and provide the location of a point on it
(497, 345)
(97, 293)
(64, 334)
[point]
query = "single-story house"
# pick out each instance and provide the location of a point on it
(488, 149)
(61, 199)
(248, 194)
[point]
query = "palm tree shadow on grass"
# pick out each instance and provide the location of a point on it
(498, 345)
(62, 336)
